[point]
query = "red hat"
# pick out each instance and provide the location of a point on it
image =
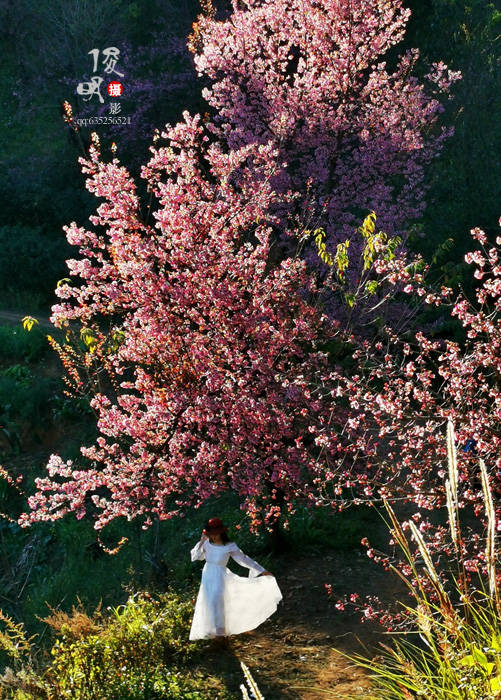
(215, 526)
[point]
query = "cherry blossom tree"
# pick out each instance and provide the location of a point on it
(205, 359)
(411, 385)
(207, 347)
(310, 76)
(214, 362)
(408, 388)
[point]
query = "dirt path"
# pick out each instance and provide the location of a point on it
(293, 656)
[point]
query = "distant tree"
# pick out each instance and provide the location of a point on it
(465, 183)
(310, 77)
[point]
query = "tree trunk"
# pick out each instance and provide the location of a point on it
(279, 543)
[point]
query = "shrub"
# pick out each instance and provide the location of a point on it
(29, 260)
(18, 344)
(136, 653)
(129, 655)
(23, 398)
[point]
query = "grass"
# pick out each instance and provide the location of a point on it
(451, 649)
(18, 344)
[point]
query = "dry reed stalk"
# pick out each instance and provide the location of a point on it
(245, 694)
(424, 623)
(490, 545)
(451, 486)
(452, 459)
(418, 538)
(397, 532)
(252, 683)
(451, 509)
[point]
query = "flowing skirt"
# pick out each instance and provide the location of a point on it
(230, 604)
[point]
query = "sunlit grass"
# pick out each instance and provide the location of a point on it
(452, 649)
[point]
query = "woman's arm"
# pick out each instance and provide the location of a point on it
(198, 550)
(254, 568)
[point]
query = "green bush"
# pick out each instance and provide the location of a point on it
(19, 344)
(320, 528)
(24, 399)
(127, 656)
(30, 260)
(136, 652)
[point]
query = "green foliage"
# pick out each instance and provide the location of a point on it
(322, 529)
(69, 407)
(30, 260)
(19, 344)
(375, 245)
(22, 396)
(128, 656)
(135, 652)
(466, 180)
(341, 258)
(320, 237)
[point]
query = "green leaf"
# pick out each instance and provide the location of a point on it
(442, 249)
(60, 282)
(467, 661)
(480, 657)
(350, 299)
(495, 684)
(341, 258)
(89, 339)
(368, 226)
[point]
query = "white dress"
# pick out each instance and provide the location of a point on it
(226, 603)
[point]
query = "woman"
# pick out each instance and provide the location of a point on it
(227, 603)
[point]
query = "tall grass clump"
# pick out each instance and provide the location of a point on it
(452, 647)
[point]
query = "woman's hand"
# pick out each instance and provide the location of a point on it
(204, 537)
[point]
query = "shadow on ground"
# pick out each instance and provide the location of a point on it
(293, 655)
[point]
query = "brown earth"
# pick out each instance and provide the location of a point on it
(296, 653)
